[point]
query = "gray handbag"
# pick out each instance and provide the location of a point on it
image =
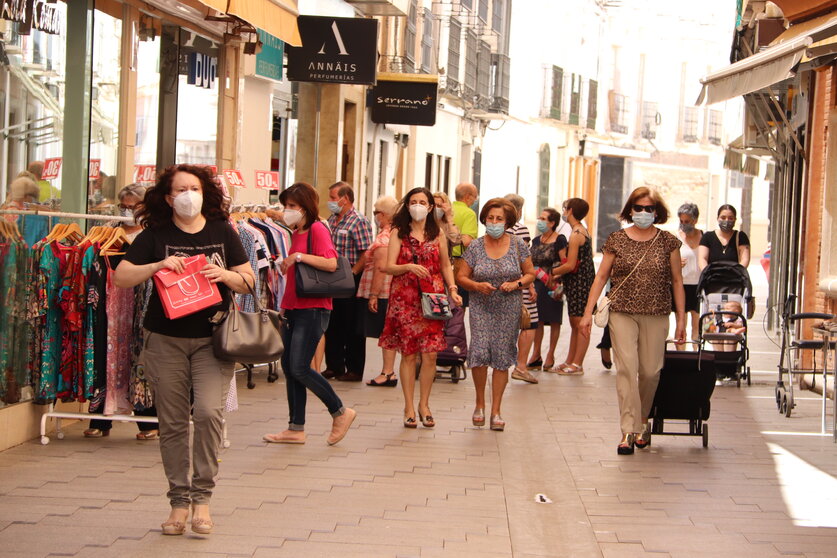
(248, 337)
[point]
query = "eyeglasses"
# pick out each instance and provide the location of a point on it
(647, 208)
(123, 206)
(376, 212)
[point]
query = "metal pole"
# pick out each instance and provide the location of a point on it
(317, 134)
(4, 155)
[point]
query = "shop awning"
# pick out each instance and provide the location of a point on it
(755, 72)
(276, 17)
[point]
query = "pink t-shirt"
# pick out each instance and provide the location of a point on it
(321, 245)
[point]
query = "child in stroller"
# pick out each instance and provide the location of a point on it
(730, 320)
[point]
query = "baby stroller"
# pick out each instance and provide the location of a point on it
(726, 303)
(454, 355)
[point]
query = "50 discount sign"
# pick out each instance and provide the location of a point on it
(267, 180)
(234, 178)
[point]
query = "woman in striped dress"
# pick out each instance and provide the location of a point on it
(530, 301)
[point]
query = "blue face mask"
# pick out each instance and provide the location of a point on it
(334, 206)
(542, 227)
(643, 219)
(495, 230)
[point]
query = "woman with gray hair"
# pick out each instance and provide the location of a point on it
(373, 291)
(690, 235)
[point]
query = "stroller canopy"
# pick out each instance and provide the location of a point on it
(725, 277)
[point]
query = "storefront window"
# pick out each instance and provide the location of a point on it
(104, 113)
(148, 105)
(32, 78)
(197, 100)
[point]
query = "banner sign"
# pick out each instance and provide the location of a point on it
(52, 168)
(234, 178)
(201, 70)
(267, 180)
(94, 169)
(335, 50)
(32, 14)
(404, 100)
(270, 60)
(145, 173)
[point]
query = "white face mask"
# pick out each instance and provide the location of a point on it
(188, 204)
(418, 212)
(126, 212)
(292, 217)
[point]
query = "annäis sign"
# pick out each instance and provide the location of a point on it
(32, 14)
(334, 50)
(404, 99)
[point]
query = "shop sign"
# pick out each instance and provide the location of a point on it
(94, 169)
(234, 178)
(267, 180)
(335, 50)
(15, 10)
(213, 169)
(404, 102)
(46, 17)
(52, 168)
(271, 58)
(201, 70)
(145, 174)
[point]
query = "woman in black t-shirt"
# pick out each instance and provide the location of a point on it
(184, 215)
(724, 244)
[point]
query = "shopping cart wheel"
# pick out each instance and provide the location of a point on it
(749, 378)
(780, 389)
(454, 373)
(738, 381)
(705, 435)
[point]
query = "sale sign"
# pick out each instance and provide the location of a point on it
(267, 180)
(213, 169)
(145, 173)
(93, 170)
(52, 168)
(234, 178)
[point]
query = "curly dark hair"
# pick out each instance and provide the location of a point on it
(401, 221)
(154, 211)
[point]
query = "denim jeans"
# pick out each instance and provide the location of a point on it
(302, 333)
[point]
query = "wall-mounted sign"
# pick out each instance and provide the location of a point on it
(52, 168)
(201, 70)
(15, 10)
(270, 60)
(234, 178)
(404, 99)
(145, 174)
(335, 50)
(267, 180)
(94, 169)
(46, 17)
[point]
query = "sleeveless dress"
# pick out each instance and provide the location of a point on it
(495, 318)
(577, 285)
(406, 330)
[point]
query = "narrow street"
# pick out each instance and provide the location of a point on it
(764, 487)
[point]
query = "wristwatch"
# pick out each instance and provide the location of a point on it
(520, 284)
(299, 257)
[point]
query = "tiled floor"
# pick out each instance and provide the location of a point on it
(764, 487)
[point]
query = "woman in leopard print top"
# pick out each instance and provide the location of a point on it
(643, 263)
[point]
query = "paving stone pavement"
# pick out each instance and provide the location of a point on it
(764, 487)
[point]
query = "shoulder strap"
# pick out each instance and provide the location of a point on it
(613, 291)
(311, 233)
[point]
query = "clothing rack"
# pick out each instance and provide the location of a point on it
(63, 215)
(52, 413)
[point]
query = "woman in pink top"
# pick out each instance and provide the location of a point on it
(306, 318)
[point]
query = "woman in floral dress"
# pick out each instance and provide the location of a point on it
(496, 270)
(418, 260)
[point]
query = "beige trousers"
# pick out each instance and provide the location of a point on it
(639, 345)
(187, 380)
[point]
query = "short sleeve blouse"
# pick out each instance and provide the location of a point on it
(648, 289)
(321, 245)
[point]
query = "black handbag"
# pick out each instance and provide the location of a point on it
(248, 337)
(316, 283)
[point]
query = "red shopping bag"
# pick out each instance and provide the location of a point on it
(188, 292)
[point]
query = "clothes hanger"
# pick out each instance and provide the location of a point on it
(117, 240)
(72, 232)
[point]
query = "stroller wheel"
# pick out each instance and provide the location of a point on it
(749, 379)
(705, 435)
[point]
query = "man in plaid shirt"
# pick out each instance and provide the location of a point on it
(351, 233)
